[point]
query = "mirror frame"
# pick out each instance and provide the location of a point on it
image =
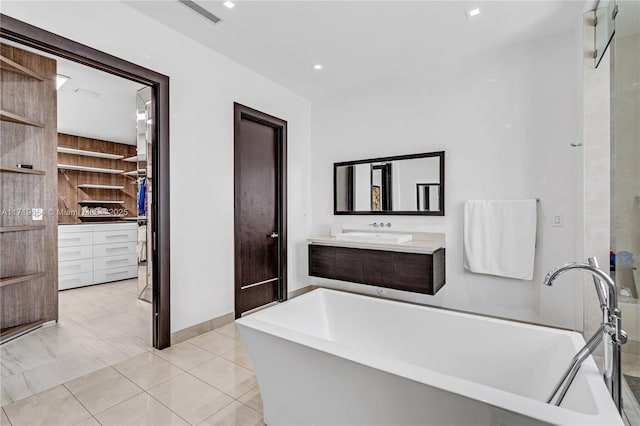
(440, 212)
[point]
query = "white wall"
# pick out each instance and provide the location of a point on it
(204, 86)
(505, 120)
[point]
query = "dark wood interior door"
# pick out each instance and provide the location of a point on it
(260, 231)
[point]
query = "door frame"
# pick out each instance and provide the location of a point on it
(280, 126)
(32, 36)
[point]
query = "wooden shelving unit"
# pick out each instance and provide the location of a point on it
(133, 159)
(95, 181)
(89, 169)
(135, 173)
(20, 170)
(15, 118)
(21, 228)
(84, 153)
(94, 186)
(20, 278)
(11, 332)
(9, 65)
(29, 287)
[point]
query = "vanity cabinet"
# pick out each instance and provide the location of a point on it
(415, 272)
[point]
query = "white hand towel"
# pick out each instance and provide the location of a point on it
(500, 237)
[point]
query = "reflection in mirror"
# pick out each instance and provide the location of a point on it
(428, 196)
(402, 185)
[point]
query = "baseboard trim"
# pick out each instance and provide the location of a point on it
(206, 326)
(301, 291)
(198, 329)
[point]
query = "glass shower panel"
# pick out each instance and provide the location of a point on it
(625, 238)
(605, 26)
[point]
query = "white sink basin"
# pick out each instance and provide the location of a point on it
(375, 237)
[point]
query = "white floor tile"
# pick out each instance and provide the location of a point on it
(147, 370)
(141, 410)
(190, 398)
(102, 389)
(54, 407)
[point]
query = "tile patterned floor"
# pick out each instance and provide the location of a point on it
(183, 385)
(98, 327)
(64, 375)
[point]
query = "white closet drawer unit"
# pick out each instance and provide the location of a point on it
(66, 229)
(115, 236)
(115, 274)
(69, 239)
(75, 280)
(96, 253)
(111, 227)
(75, 267)
(100, 263)
(103, 250)
(75, 253)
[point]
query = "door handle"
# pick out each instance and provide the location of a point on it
(273, 235)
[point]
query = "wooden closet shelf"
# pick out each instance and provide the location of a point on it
(92, 186)
(133, 159)
(96, 154)
(9, 332)
(89, 169)
(15, 118)
(19, 170)
(20, 228)
(100, 202)
(9, 65)
(20, 278)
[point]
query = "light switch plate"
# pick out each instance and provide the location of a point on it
(557, 220)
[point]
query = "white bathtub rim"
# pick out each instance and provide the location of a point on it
(604, 407)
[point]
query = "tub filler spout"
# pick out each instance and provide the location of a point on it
(610, 332)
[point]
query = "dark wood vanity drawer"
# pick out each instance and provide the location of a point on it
(349, 265)
(322, 261)
(377, 268)
(419, 273)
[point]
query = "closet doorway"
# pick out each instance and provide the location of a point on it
(32, 37)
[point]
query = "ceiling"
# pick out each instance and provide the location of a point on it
(96, 104)
(361, 44)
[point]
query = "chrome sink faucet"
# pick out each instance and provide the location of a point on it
(610, 332)
(380, 225)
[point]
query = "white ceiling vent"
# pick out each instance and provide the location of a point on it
(200, 10)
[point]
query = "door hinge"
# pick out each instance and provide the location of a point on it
(154, 241)
(595, 21)
(595, 54)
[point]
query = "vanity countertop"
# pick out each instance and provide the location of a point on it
(427, 246)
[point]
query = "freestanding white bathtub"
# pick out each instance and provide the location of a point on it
(335, 358)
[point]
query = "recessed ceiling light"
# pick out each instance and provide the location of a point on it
(60, 80)
(473, 12)
(229, 4)
(317, 67)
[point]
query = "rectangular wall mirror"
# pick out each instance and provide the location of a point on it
(401, 185)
